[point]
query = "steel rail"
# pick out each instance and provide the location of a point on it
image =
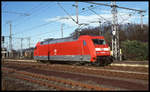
(69, 82)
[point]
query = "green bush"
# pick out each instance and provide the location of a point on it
(134, 50)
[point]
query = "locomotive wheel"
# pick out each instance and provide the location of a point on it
(100, 61)
(97, 63)
(43, 61)
(79, 63)
(103, 61)
(50, 62)
(110, 60)
(88, 64)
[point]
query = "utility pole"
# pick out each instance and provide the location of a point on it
(10, 38)
(100, 32)
(62, 30)
(77, 12)
(76, 6)
(77, 18)
(2, 41)
(141, 19)
(21, 47)
(115, 36)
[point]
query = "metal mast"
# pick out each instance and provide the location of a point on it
(21, 47)
(62, 30)
(10, 36)
(77, 12)
(77, 21)
(115, 36)
(10, 41)
(115, 33)
(141, 19)
(100, 31)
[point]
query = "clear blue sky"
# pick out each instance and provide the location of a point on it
(41, 13)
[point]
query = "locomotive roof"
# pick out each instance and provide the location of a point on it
(66, 39)
(52, 40)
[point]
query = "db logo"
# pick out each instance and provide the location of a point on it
(55, 51)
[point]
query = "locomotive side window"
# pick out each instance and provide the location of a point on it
(41, 43)
(84, 42)
(99, 41)
(45, 42)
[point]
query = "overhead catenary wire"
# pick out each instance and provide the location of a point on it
(29, 11)
(126, 19)
(39, 35)
(88, 10)
(47, 32)
(78, 13)
(39, 26)
(32, 12)
(42, 24)
(66, 12)
(115, 6)
(12, 12)
(115, 36)
(99, 15)
(79, 24)
(29, 29)
(122, 18)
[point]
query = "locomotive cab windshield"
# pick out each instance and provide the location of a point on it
(99, 41)
(101, 47)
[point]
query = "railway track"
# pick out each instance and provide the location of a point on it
(119, 64)
(68, 84)
(104, 77)
(123, 68)
(125, 72)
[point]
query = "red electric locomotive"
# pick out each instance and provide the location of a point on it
(86, 48)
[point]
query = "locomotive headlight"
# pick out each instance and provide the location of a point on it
(102, 49)
(106, 49)
(98, 49)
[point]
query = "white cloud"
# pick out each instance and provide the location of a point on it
(123, 17)
(52, 19)
(82, 19)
